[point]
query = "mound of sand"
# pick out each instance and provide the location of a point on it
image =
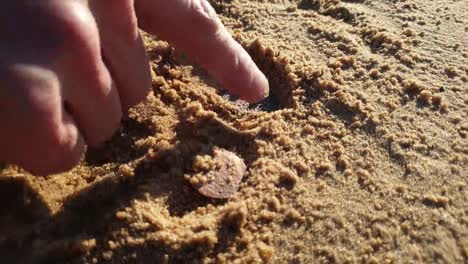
(360, 155)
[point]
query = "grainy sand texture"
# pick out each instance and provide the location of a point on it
(360, 155)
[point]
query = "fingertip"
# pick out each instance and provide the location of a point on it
(74, 143)
(95, 104)
(98, 136)
(241, 75)
(74, 155)
(261, 87)
(66, 148)
(62, 148)
(132, 95)
(66, 161)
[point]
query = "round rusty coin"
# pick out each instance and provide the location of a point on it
(224, 180)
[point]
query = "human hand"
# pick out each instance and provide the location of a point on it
(69, 69)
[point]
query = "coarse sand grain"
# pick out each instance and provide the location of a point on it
(359, 155)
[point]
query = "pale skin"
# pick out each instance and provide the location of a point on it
(70, 69)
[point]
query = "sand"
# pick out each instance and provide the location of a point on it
(360, 155)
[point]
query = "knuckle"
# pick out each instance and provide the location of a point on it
(98, 131)
(40, 87)
(52, 26)
(69, 24)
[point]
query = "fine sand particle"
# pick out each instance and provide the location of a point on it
(359, 155)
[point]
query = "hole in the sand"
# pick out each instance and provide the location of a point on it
(309, 4)
(277, 69)
(269, 104)
(280, 76)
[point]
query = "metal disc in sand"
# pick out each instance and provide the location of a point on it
(224, 180)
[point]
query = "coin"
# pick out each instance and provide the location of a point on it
(223, 181)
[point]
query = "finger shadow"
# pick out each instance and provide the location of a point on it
(194, 138)
(91, 212)
(21, 211)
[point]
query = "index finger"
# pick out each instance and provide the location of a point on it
(193, 27)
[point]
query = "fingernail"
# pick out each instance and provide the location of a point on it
(266, 89)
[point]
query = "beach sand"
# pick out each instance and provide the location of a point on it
(359, 155)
